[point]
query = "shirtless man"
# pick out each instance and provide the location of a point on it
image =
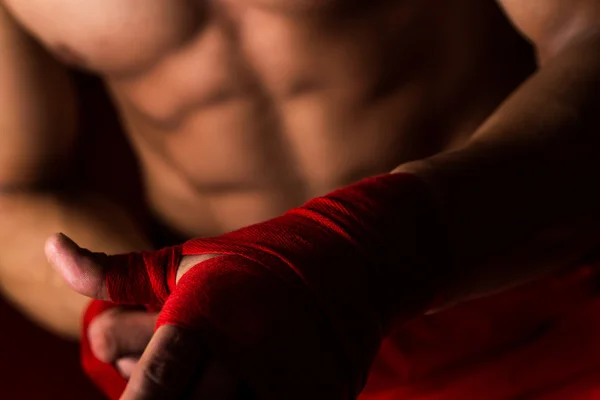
(239, 111)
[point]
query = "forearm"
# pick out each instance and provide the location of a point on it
(27, 279)
(520, 199)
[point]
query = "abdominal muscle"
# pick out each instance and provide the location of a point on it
(233, 132)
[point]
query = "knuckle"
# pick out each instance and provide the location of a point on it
(167, 366)
(158, 375)
(156, 372)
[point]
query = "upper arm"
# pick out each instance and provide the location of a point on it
(37, 112)
(553, 24)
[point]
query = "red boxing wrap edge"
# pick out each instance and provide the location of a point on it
(104, 375)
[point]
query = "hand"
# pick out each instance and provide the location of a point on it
(165, 365)
(295, 307)
(120, 335)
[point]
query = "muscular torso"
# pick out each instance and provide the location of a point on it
(239, 110)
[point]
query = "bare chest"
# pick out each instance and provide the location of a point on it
(108, 36)
(286, 48)
(261, 96)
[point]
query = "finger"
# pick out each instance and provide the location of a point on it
(168, 367)
(126, 365)
(131, 278)
(119, 332)
(80, 268)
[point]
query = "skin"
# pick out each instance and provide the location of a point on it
(255, 133)
(284, 94)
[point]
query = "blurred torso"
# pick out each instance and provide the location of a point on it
(240, 110)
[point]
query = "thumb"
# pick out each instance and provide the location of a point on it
(80, 268)
(133, 278)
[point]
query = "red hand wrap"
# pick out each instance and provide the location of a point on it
(128, 286)
(142, 278)
(104, 375)
(295, 288)
(318, 286)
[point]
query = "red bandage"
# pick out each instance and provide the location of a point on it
(104, 375)
(298, 306)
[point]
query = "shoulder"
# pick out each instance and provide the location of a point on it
(552, 24)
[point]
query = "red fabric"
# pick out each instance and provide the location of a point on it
(538, 342)
(104, 375)
(318, 285)
(145, 282)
